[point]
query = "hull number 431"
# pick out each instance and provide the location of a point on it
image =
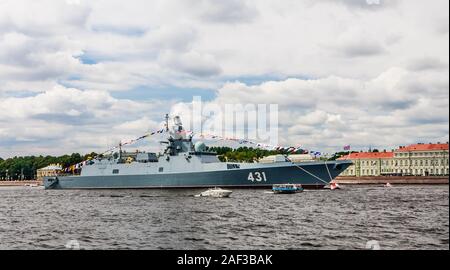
(257, 176)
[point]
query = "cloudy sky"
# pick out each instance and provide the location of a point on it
(78, 76)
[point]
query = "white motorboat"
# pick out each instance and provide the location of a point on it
(215, 192)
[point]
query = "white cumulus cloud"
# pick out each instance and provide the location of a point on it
(357, 71)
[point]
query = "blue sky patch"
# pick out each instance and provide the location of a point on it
(87, 59)
(259, 79)
(20, 94)
(124, 31)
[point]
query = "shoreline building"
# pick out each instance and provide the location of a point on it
(370, 164)
(422, 159)
(416, 160)
(50, 170)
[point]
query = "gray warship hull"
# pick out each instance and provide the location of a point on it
(308, 174)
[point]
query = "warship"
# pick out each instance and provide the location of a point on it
(184, 164)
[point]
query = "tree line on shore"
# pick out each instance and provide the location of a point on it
(243, 154)
(24, 168)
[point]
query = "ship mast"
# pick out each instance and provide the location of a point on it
(167, 122)
(120, 151)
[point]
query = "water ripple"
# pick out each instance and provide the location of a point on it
(403, 217)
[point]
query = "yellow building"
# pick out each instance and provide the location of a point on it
(50, 170)
(422, 159)
(415, 160)
(369, 164)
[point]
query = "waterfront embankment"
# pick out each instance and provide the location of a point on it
(20, 183)
(399, 180)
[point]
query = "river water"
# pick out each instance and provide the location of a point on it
(401, 217)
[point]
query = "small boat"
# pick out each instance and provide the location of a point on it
(286, 188)
(31, 185)
(333, 186)
(215, 193)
